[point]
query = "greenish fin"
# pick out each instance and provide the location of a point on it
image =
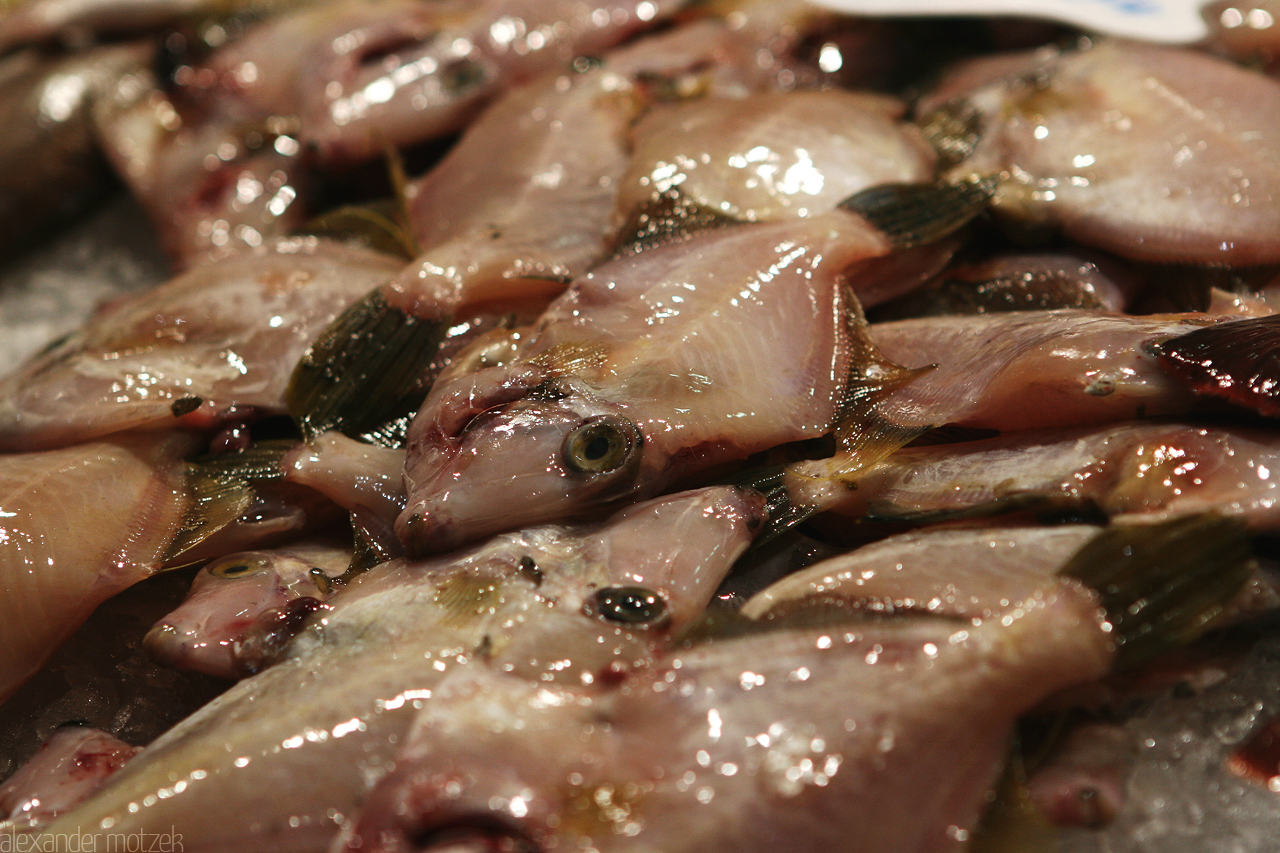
(918, 214)
(366, 370)
(219, 490)
(1162, 585)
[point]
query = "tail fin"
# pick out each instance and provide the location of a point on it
(1163, 584)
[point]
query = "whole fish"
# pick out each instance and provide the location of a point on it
(237, 599)
(1132, 148)
(282, 759)
(650, 368)
(213, 345)
(819, 733)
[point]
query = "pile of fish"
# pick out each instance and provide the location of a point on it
(646, 426)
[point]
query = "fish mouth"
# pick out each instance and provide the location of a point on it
(479, 833)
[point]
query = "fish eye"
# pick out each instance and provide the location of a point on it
(231, 568)
(600, 445)
(629, 605)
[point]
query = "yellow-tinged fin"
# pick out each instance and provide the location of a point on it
(219, 490)
(1013, 823)
(1162, 585)
(568, 359)
(953, 130)
(366, 370)
(465, 596)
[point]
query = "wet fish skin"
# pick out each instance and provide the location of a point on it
(254, 777)
(1033, 369)
(668, 357)
(80, 524)
(1149, 470)
(49, 156)
(233, 595)
(796, 740)
(69, 766)
(219, 338)
(1130, 147)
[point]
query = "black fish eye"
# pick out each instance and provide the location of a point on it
(629, 605)
(236, 567)
(600, 445)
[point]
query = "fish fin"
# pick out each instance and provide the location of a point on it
(953, 130)
(916, 214)
(781, 512)
(366, 369)
(1238, 361)
(220, 489)
(372, 225)
(667, 217)
(465, 596)
(1013, 822)
(864, 433)
(568, 359)
(1162, 585)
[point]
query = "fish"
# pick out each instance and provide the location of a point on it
(403, 73)
(793, 730)
(1034, 369)
(650, 368)
(36, 21)
(283, 758)
(241, 601)
(1021, 282)
(52, 167)
(1152, 470)
(563, 142)
(69, 766)
(1132, 148)
(213, 345)
(80, 524)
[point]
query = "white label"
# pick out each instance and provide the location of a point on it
(1172, 21)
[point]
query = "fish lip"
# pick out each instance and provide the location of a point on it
(479, 832)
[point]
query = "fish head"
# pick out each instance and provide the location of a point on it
(558, 452)
(631, 585)
(230, 599)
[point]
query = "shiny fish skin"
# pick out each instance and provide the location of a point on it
(772, 156)
(1152, 470)
(871, 737)
(680, 345)
(69, 766)
(226, 334)
(1133, 148)
(78, 525)
(1033, 369)
(283, 758)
